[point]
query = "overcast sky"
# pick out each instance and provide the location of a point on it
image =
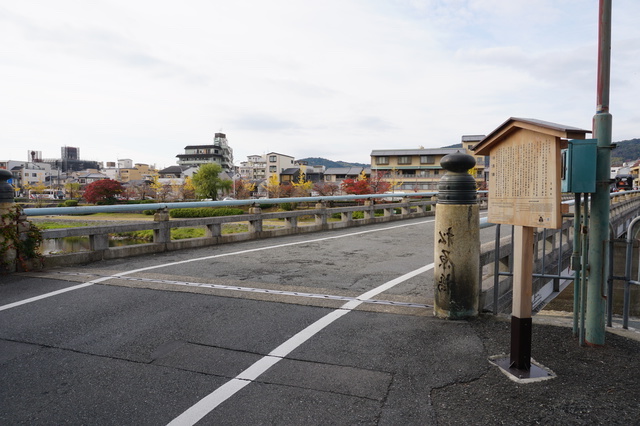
(142, 79)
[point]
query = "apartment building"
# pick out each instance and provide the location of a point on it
(219, 153)
(420, 169)
(27, 173)
(139, 171)
(255, 168)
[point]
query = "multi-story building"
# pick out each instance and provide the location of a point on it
(27, 174)
(70, 160)
(138, 172)
(482, 162)
(125, 171)
(420, 169)
(219, 153)
(277, 163)
(255, 168)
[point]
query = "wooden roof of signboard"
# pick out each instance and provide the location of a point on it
(514, 123)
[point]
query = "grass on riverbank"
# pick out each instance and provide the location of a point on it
(59, 225)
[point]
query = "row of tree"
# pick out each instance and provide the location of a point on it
(207, 184)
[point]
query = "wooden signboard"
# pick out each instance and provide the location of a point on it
(524, 191)
(524, 177)
(525, 181)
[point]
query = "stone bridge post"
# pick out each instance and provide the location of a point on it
(457, 241)
(8, 251)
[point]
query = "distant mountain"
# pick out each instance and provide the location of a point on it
(625, 152)
(319, 161)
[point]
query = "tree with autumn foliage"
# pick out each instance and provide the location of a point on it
(326, 188)
(376, 184)
(302, 186)
(103, 191)
(72, 189)
(183, 188)
(355, 186)
(272, 185)
(379, 183)
(358, 186)
(244, 188)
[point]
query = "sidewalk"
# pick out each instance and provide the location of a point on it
(592, 385)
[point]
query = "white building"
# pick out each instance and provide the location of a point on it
(218, 153)
(255, 168)
(27, 173)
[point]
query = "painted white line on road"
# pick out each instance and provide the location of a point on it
(203, 407)
(148, 268)
(53, 293)
(180, 262)
(249, 289)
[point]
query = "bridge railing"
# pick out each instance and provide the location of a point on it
(553, 247)
(320, 217)
(553, 250)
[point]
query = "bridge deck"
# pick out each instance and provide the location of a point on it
(219, 333)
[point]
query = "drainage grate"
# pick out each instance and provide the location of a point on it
(254, 290)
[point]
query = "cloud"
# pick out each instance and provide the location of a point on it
(374, 123)
(257, 122)
(71, 41)
(337, 77)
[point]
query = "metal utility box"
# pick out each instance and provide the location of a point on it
(578, 173)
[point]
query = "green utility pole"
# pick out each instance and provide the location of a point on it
(600, 202)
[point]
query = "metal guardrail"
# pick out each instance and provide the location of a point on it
(552, 252)
(631, 236)
(550, 244)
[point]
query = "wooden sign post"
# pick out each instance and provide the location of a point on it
(522, 292)
(524, 191)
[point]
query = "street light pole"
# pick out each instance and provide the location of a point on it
(600, 201)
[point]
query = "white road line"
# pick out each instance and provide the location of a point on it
(203, 407)
(249, 289)
(148, 268)
(53, 293)
(180, 262)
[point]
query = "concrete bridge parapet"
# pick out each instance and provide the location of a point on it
(292, 223)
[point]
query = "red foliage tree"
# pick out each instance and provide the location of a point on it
(378, 184)
(356, 186)
(104, 190)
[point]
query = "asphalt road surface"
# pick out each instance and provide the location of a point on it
(327, 328)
